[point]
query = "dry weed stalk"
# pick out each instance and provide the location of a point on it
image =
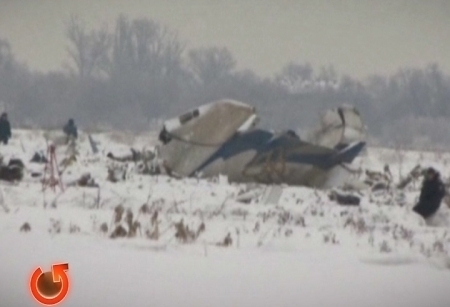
(153, 235)
(25, 227)
(119, 232)
(284, 217)
(385, 248)
(2, 202)
(54, 203)
(227, 241)
(218, 211)
(256, 228)
(111, 176)
(74, 228)
(98, 199)
(154, 218)
(55, 226)
(240, 212)
(184, 235)
(300, 221)
(412, 176)
(119, 210)
(262, 237)
(134, 226)
(438, 247)
(104, 228)
(359, 225)
(288, 232)
(402, 233)
(144, 209)
(330, 237)
(129, 217)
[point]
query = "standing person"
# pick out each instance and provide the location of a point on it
(431, 195)
(70, 130)
(5, 128)
(164, 136)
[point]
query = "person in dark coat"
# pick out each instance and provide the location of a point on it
(70, 129)
(431, 195)
(164, 136)
(5, 128)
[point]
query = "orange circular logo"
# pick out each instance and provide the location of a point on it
(50, 288)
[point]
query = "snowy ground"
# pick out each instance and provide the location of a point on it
(306, 250)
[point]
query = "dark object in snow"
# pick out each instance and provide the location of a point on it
(93, 144)
(5, 128)
(119, 232)
(134, 157)
(184, 234)
(127, 158)
(25, 227)
(117, 173)
(431, 194)
(111, 176)
(104, 228)
(39, 158)
(380, 186)
(87, 181)
(227, 241)
(134, 227)
(13, 171)
(344, 199)
(16, 162)
(149, 168)
(373, 177)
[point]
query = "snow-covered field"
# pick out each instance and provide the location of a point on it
(304, 251)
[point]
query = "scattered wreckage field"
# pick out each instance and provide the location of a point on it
(120, 201)
(121, 198)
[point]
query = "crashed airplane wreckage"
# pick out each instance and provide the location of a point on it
(221, 138)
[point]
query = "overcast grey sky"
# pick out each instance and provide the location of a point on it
(359, 37)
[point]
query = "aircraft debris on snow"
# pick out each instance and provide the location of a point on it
(221, 138)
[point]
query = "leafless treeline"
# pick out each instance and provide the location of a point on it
(138, 71)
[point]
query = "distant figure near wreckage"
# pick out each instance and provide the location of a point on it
(70, 130)
(5, 128)
(431, 195)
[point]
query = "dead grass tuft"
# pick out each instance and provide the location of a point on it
(184, 235)
(25, 227)
(227, 241)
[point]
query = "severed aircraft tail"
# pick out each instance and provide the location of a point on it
(339, 127)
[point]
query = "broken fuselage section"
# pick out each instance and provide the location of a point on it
(221, 138)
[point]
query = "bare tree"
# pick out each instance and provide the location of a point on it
(211, 64)
(6, 58)
(328, 74)
(136, 71)
(144, 46)
(295, 76)
(88, 49)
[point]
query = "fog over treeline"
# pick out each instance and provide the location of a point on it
(138, 71)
